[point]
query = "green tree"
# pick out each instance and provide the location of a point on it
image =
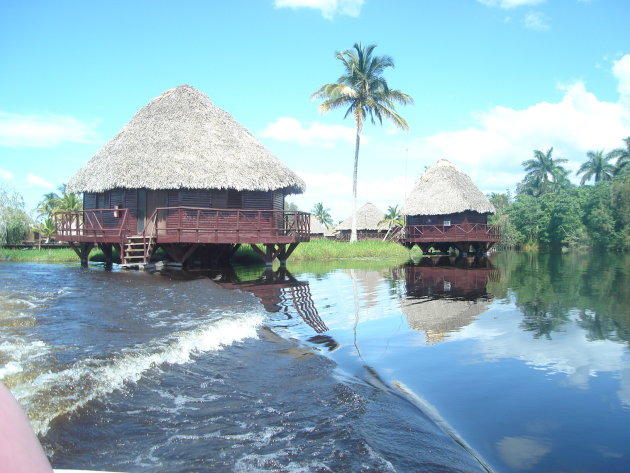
(47, 229)
(47, 205)
(620, 200)
(392, 219)
(597, 167)
(528, 218)
(363, 92)
(510, 236)
(564, 220)
(544, 173)
(622, 155)
(322, 215)
(69, 203)
(14, 221)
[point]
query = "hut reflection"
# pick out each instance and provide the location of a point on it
(278, 291)
(442, 299)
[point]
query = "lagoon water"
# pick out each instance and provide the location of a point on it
(520, 363)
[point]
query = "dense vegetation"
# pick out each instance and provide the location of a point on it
(551, 213)
(14, 221)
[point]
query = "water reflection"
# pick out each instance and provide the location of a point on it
(556, 291)
(444, 299)
(278, 291)
(546, 335)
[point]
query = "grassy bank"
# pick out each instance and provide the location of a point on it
(48, 255)
(322, 249)
(315, 250)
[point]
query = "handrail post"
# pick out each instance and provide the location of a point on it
(198, 221)
(179, 224)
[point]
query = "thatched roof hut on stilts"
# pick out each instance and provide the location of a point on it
(369, 218)
(446, 210)
(185, 176)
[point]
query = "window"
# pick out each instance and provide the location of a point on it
(447, 223)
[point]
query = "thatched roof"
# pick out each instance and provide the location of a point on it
(368, 218)
(445, 189)
(182, 140)
(319, 229)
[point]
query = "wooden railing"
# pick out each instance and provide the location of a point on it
(91, 225)
(456, 232)
(202, 224)
(184, 224)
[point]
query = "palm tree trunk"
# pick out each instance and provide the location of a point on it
(353, 231)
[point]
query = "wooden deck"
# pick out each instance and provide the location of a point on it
(186, 225)
(457, 233)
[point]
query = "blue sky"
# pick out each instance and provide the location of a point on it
(492, 80)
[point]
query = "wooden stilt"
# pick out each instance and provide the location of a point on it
(180, 253)
(82, 250)
(108, 251)
(270, 254)
(258, 251)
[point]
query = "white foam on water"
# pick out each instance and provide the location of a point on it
(10, 368)
(53, 394)
(19, 356)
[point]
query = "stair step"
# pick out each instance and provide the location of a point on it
(134, 249)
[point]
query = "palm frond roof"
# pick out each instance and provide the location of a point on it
(180, 139)
(368, 218)
(444, 189)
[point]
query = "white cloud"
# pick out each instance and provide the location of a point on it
(6, 174)
(43, 130)
(328, 8)
(290, 129)
(537, 21)
(492, 150)
(509, 3)
(334, 190)
(37, 181)
(621, 70)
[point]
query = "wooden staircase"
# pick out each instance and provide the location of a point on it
(134, 251)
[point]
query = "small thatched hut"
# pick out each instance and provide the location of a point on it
(369, 227)
(184, 175)
(318, 230)
(446, 209)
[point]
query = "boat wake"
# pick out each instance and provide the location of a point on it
(54, 394)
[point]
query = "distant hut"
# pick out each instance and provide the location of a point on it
(320, 231)
(185, 176)
(446, 210)
(369, 227)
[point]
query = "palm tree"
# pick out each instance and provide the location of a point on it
(544, 172)
(69, 203)
(363, 92)
(322, 215)
(48, 205)
(47, 229)
(622, 155)
(391, 219)
(597, 167)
